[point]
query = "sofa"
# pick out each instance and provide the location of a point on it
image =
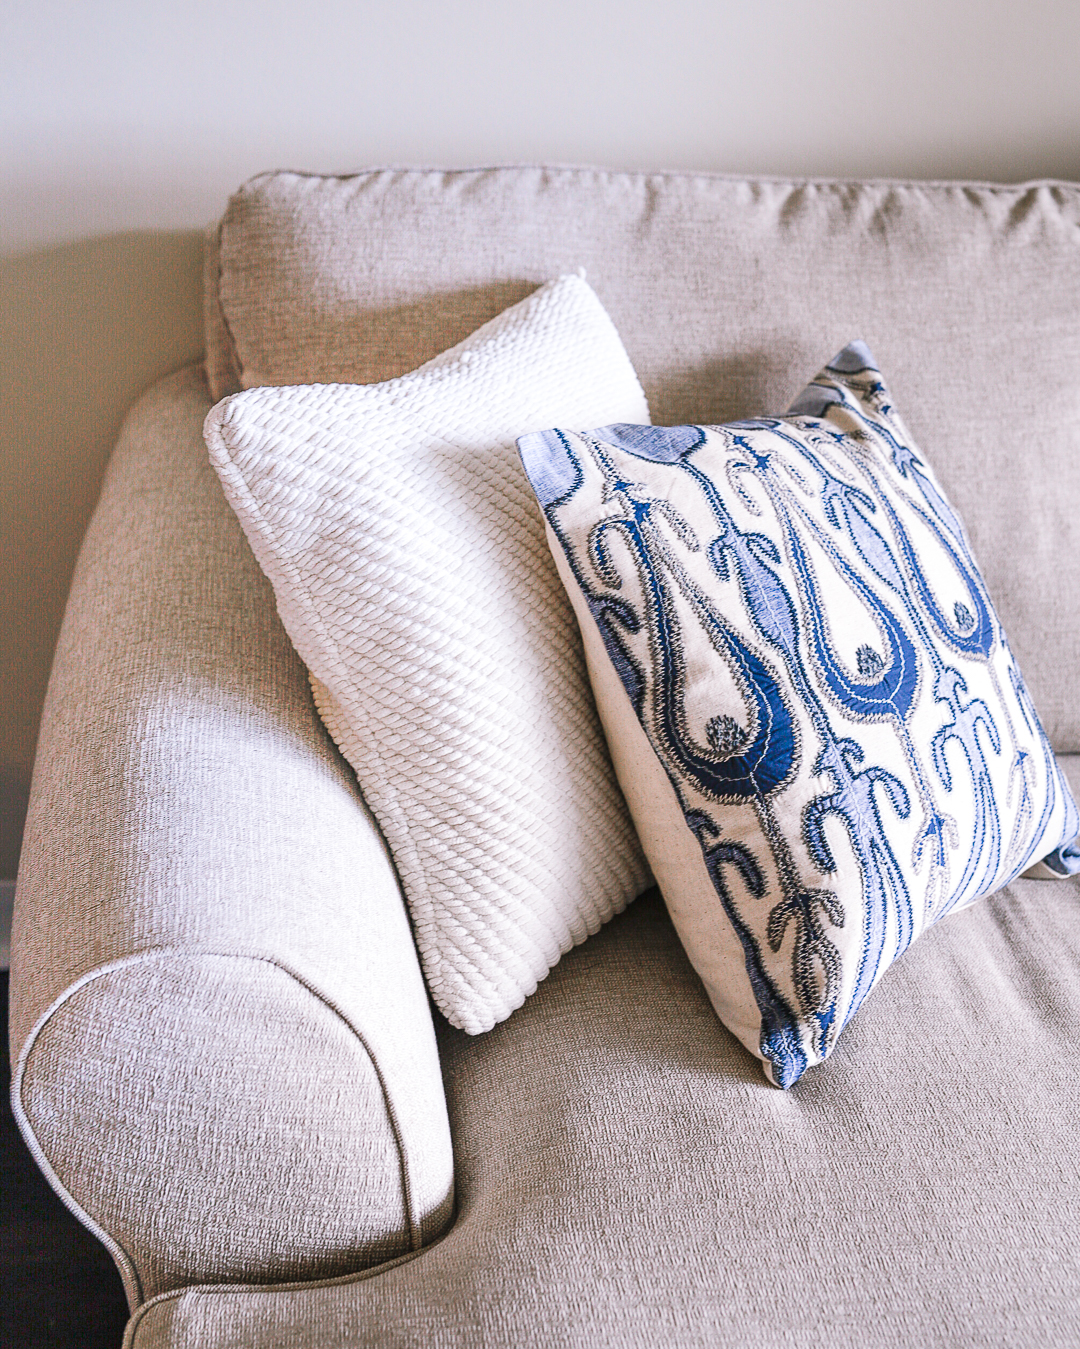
(227, 1063)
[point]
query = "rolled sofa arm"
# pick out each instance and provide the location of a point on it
(226, 1063)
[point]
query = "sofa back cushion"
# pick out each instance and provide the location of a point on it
(725, 292)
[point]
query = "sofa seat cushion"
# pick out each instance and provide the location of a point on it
(627, 1178)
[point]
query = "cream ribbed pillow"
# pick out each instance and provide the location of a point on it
(408, 558)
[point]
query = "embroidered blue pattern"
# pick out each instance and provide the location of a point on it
(867, 713)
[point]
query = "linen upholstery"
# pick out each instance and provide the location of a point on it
(600, 1130)
(725, 293)
(134, 1064)
(627, 1178)
(197, 851)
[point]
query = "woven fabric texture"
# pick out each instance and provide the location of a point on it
(725, 293)
(228, 1050)
(627, 1178)
(410, 569)
(821, 730)
(205, 1109)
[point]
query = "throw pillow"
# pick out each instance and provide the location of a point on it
(815, 715)
(412, 575)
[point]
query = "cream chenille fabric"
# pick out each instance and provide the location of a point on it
(410, 569)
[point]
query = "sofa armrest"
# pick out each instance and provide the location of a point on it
(226, 1063)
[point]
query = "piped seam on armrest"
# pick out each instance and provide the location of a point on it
(175, 1295)
(125, 1264)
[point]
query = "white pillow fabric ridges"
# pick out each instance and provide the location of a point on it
(411, 572)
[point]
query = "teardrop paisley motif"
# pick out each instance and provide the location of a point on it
(869, 728)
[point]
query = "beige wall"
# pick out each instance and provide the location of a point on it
(125, 124)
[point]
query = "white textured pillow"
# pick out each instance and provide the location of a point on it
(411, 572)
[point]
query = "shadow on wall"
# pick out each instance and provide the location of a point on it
(84, 328)
(14, 791)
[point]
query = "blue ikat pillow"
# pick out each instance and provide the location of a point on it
(814, 713)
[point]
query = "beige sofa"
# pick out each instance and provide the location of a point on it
(226, 1060)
